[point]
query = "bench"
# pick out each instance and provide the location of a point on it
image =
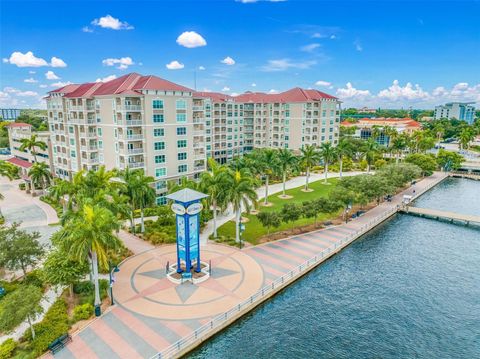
(59, 343)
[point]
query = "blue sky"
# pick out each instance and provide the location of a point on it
(382, 53)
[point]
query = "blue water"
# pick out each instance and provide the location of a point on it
(408, 289)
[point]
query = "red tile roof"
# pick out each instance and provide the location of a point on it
(84, 90)
(215, 96)
(296, 94)
(19, 124)
(19, 162)
(66, 89)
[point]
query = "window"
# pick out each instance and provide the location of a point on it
(182, 156)
(158, 118)
(182, 168)
(157, 104)
(182, 143)
(181, 117)
(160, 172)
(158, 132)
(181, 131)
(99, 131)
(100, 144)
(72, 142)
(159, 146)
(73, 153)
(181, 104)
(70, 129)
(160, 159)
(161, 201)
(160, 185)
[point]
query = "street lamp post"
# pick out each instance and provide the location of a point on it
(111, 271)
(242, 229)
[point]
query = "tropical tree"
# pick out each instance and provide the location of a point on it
(343, 150)
(286, 162)
(240, 192)
(466, 136)
(370, 150)
(291, 212)
(327, 154)
(62, 191)
(143, 194)
(399, 144)
(213, 183)
(269, 220)
(309, 157)
(21, 304)
(89, 234)
(31, 144)
(40, 175)
(266, 163)
(7, 170)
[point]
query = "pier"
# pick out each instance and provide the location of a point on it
(452, 217)
(463, 174)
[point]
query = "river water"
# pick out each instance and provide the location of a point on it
(408, 289)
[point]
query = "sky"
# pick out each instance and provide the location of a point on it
(386, 54)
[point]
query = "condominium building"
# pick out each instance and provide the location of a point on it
(25, 158)
(9, 114)
(463, 111)
(170, 130)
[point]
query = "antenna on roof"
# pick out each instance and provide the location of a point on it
(195, 79)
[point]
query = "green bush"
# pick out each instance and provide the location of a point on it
(380, 163)
(347, 164)
(84, 287)
(82, 312)
(7, 348)
(34, 278)
(8, 286)
(159, 238)
(22, 186)
(54, 324)
(317, 168)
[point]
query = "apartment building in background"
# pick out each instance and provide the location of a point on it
(24, 159)
(463, 111)
(170, 130)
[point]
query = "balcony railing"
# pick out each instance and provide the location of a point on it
(197, 108)
(135, 151)
(134, 137)
(136, 164)
(130, 122)
(132, 108)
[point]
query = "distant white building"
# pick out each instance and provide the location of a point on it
(463, 111)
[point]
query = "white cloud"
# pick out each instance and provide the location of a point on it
(358, 45)
(253, 84)
(273, 91)
(122, 63)
(408, 92)
(27, 59)
(56, 62)
(228, 61)
(43, 86)
(26, 93)
(106, 79)
(175, 65)
(50, 75)
(201, 68)
(310, 47)
(60, 84)
(109, 22)
(226, 88)
(87, 29)
(234, 94)
(323, 83)
(30, 80)
(350, 92)
(191, 39)
(32, 72)
(332, 37)
(462, 91)
(285, 64)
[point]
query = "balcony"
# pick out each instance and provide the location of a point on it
(198, 120)
(88, 134)
(91, 161)
(198, 145)
(198, 133)
(135, 151)
(131, 108)
(130, 122)
(136, 164)
(197, 108)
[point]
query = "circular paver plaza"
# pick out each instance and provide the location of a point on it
(141, 285)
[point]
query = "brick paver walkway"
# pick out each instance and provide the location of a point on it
(152, 313)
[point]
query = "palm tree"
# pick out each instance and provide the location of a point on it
(328, 154)
(399, 144)
(466, 136)
(309, 157)
(89, 234)
(370, 150)
(7, 170)
(343, 149)
(240, 191)
(286, 161)
(60, 190)
(40, 174)
(267, 164)
(213, 183)
(32, 144)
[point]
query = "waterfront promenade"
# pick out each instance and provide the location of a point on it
(153, 315)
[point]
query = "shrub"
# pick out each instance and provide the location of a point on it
(7, 348)
(84, 287)
(380, 163)
(85, 290)
(159, 238)
(347, 164)
(363, 165)
(34, 278)
(317, 168)
(53, 325)
(82, 312)
(22, 186)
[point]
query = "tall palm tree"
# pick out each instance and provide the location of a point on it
(399, 144)
(214, 183)
(32, 144)
(328, 154)
(89, 234)
(267, 163)
(40, 174)
(60, 190)
(143, 194)
(309, 157)
(7, 170)
(370, 151)
(466, 136)
(286, 161)
(344, 149)
(240, 191)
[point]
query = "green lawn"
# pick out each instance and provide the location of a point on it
(254, 229)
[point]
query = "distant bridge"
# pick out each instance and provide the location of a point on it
(464, 174)
(452, 217)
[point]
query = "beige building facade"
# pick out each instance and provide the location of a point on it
(169, 130)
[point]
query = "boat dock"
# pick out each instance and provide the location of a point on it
(466, 219)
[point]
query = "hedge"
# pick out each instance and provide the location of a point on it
(7, 348)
